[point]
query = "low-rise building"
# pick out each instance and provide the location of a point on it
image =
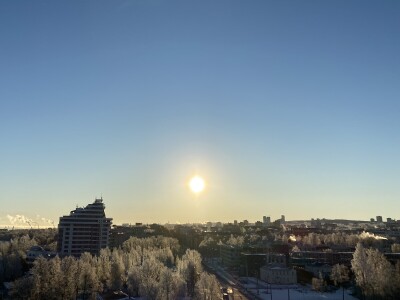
(230, 255)
(276, 271)
(302, 258)
(36, 251)
(251, 262)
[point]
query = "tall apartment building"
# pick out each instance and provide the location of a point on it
(84, 230)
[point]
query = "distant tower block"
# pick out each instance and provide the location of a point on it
(283, 218)
(379, 219)
(84, 230)
(266, 220)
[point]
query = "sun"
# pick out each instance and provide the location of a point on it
(197, 184)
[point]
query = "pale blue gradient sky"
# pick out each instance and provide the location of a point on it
(284, 107)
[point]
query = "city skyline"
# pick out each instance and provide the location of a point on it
(39, 222)
(283, 108)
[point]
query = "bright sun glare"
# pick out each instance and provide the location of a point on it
(197, 184)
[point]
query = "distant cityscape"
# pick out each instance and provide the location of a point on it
(249, 260)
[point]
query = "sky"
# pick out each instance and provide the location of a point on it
(283, 107)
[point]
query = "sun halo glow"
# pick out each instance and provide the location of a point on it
(197, 184)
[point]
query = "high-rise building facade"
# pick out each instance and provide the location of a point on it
(85, 229)
(266, 220)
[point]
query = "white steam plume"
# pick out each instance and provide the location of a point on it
(365, 235)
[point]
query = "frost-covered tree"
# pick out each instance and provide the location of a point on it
(69, 268)
(88, 282)
(22, 244)
(22, 288)
(149, 278)
(295, 249)
(207, 287)
(12, 266)
(165, 256)
(319, 283)
(208, 247)
(189, 266)
(361, 268)
(339, 275)
(117, 271)
(133, 281)
(40, 280)
(103, 266)
(235, 241)
(146, 267)
(382, 272)
(372, 271)
(54, 277)
(171, 285)
(12, 256)
(395, 280)
(395, 248)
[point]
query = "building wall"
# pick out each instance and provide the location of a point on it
(278, 275)
(330, 258)
(250, 263)
(230, 255)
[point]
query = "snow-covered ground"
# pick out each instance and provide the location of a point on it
(296, 292)
(302, 295)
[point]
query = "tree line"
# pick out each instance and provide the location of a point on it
(13, 255)
(148, 267)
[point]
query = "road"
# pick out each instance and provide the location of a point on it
(227, 281)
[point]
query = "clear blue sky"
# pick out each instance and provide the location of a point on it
(284, 107)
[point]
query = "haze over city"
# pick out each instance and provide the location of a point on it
(288, 107)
